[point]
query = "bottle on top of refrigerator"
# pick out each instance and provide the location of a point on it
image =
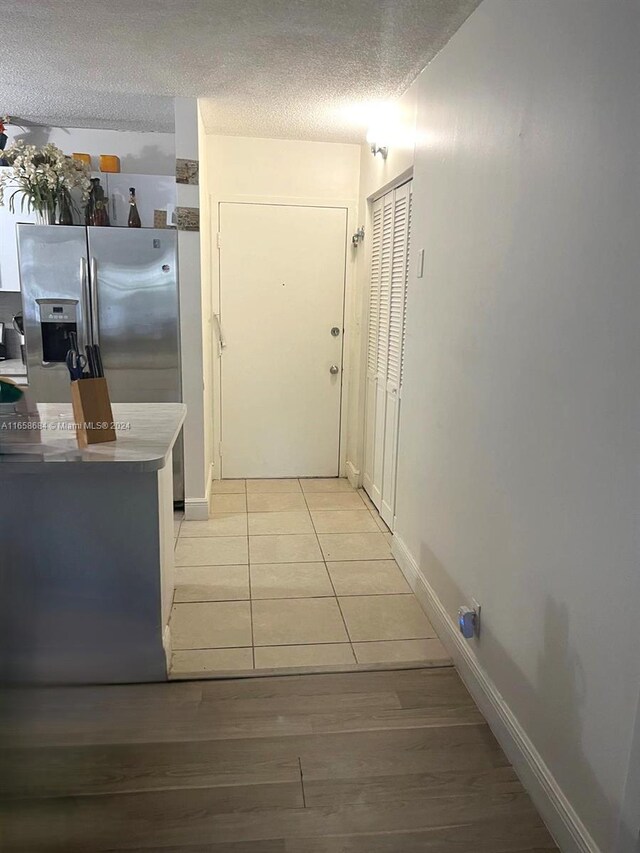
(96, 211)
(134, 216)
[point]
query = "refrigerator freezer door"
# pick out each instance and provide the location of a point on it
(134, 275)
(53, 264)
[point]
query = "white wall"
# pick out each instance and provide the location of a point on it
(196, 470)
(139, 153)
(282, 168)
(519, 441)
(286, 171)
(206, 297)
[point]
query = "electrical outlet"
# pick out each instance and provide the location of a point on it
(478, 609)
(469, 620)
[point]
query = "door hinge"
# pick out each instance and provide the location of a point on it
(220, 448)
(218, 239)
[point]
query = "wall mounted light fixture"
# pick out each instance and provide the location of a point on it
(379, 149)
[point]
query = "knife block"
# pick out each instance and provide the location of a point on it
(92, 411)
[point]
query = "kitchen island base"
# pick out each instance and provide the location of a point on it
(86, 564)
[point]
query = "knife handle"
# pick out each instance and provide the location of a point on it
(98, 361)
(91, 362)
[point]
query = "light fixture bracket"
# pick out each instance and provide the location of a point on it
(379, 149)
(358, 237)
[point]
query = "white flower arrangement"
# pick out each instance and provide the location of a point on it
(43, 177)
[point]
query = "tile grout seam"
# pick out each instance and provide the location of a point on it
(326, 568)
(324, 561)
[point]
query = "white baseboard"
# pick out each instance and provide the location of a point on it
(569, 831)
(372, 491)
(166, 645)
(196, 509)
(353, 475)
(210, 479)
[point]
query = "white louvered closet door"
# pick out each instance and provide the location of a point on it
(372, 345)
(388, 296)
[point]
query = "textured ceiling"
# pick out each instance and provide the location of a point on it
(307, 69)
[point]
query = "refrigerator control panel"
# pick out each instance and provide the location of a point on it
(58, 318)
(63, 311)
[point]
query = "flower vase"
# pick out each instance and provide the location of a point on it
(46, 216)
(65, 216)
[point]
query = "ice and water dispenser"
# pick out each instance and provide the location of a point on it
(57, 317)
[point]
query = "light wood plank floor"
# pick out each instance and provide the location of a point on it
(381, 762)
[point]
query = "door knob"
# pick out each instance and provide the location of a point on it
(334, 369)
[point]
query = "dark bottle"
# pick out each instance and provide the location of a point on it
(91, 204)
(102, 211)
(134, 216)
(97, 212)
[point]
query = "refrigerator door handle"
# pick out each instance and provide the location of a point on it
(94, 301)
(86, 301)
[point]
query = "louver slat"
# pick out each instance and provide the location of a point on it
(406, 291)
(398, 277)
(385, 286)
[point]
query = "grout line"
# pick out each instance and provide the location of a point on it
(306, 562)
(291, 597)
(306, 533)
(315, 532)
(322, 559)
(326, 643)
(326, 568)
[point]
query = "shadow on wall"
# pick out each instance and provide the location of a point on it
(558, 694)
(140, 163)
(37, 135)
(148, 160)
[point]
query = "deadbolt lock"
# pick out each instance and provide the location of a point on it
(335, 331)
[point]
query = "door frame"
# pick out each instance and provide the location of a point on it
(348, 342)
(365, 282)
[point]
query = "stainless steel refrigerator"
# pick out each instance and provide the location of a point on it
(128, 279)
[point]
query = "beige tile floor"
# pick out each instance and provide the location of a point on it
(292, 575)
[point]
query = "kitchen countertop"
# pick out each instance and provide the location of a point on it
(14, 369)
(146, 433)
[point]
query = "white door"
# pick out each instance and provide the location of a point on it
(282, 278)
(391, 219)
